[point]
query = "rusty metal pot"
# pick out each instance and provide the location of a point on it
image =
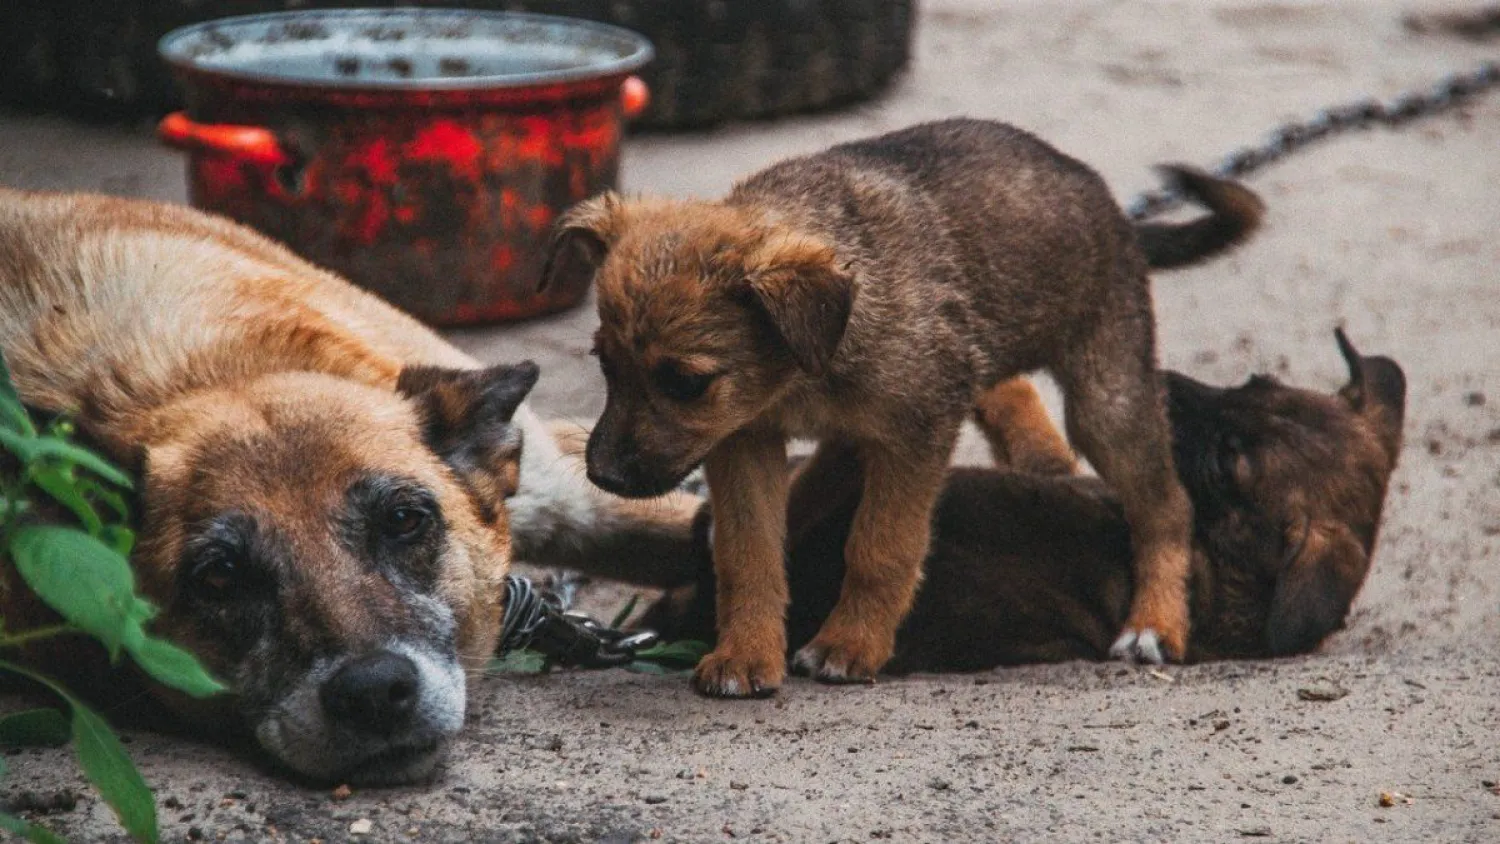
(422, 153)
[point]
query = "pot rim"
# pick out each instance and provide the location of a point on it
(172, 49)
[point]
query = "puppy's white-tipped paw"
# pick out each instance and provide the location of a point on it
(807, 661)
(823, 664)
(1138, 646)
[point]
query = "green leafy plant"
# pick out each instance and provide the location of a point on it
(81, 571)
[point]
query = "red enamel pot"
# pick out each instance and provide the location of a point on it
(422, 153)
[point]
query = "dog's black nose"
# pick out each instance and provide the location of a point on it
(376, 693)
(610, 478)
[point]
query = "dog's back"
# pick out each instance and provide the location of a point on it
(974, 227)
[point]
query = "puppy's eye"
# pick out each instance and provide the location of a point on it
(683, 386)
(218, 572)
(405, 523)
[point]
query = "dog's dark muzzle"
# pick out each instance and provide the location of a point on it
(620, 468)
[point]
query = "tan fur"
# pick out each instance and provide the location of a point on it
(239, 382)
(1021, 435)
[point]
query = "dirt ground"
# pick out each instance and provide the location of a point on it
(1390, 234)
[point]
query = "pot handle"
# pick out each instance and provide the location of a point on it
(251, 142)
(634, 96)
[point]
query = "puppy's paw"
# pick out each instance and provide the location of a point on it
(732, 673)
(832, 659)
(1147, 645)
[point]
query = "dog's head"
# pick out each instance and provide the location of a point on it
(709, 315)
(1291, 483)
(336, 553)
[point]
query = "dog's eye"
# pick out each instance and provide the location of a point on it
(681, 386)
(405, 523)
(217, 572)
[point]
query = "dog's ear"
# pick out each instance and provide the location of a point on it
(580, 241)
(1376, 390)
(466, 419)
(1314, 591)
(797, 282)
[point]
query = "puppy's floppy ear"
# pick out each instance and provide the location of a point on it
(1314, 591)
(580, 241)
(466, 419)
(797, 282)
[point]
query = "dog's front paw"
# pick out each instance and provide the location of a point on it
(1147, 644)
(838, 659)
(731, 672)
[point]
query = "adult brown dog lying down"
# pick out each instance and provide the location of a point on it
(331, 494)
(1287, 488)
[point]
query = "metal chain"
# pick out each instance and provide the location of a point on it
(1452, 91)
(539, 619)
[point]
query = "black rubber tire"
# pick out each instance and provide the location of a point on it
(717, 60)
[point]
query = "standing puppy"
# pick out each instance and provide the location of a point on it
(871, 295)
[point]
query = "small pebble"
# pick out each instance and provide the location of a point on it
(363, 826)
(1323, 690)
(1474, 399)
(343, 792)
(654, 799)
(1289, 779)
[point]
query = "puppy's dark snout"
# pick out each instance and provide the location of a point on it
(376, 693)
(612, 464)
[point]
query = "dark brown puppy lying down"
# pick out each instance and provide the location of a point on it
(1287, 487)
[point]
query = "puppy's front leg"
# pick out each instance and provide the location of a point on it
(747, 485)
(883, 564)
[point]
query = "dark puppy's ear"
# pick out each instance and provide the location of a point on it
(466, 420)
(580, 241)
(796, 281)
(1314, 591)
(1376, 389)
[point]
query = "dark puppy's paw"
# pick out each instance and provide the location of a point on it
(840, 664)
(1148, 644)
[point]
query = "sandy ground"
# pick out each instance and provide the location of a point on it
(1390, 234)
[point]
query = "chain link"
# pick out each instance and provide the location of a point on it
(1452, 91)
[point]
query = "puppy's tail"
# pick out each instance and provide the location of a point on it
(1235, 213)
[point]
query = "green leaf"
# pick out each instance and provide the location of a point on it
(625, 611)
(174, 667)
(59, 483)
(104, 762)
(109, 768)
(84, 580)
(519, 662)
(12, 411)
(119, 539)
(686, 652)
(7, 387)
(101, 493)
(22, 445)
(13, 417)
(29, 831)
(34, 728)
(59, 450)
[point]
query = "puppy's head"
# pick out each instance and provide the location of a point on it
(1288, 487)
(336, 553)
(708, 314)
